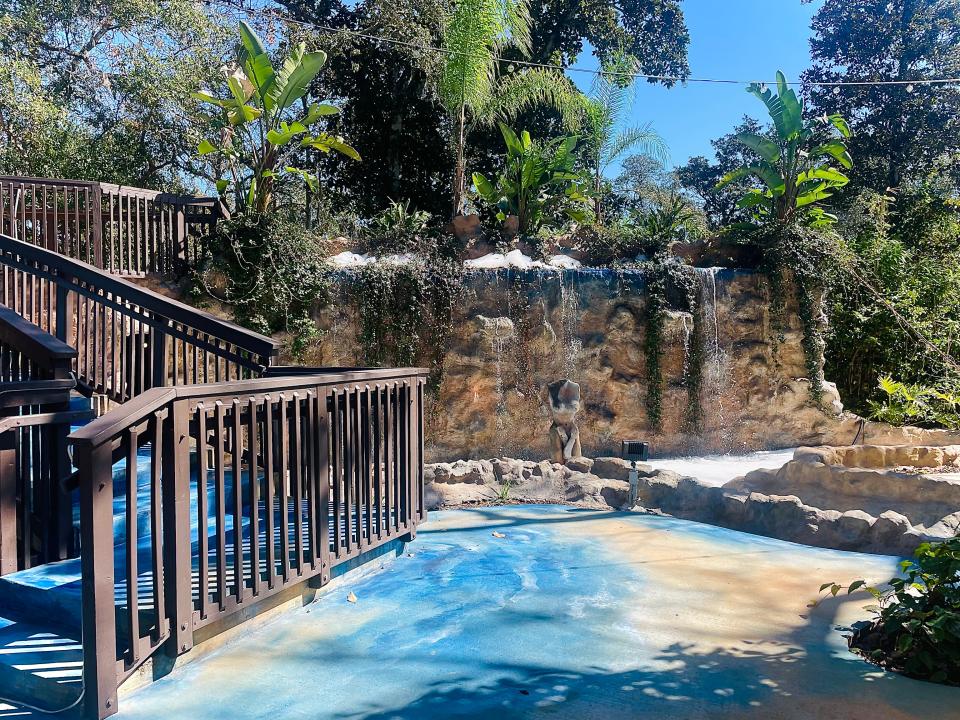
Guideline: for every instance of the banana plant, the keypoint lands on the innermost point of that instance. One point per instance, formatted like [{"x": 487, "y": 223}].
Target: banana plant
[
  {"x": 539, "y": 183},
  {"x": 266, "y": 118},
  {"x": 797, "y": 169}
]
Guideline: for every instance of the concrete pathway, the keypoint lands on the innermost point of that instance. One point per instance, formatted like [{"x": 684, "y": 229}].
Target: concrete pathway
[{"x": 572, "y": 614}]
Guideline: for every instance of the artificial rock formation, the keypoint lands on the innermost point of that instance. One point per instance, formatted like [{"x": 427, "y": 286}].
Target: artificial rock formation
[
  {"x": 776, "y": 503},
  {"x": 518, "y": 330}
]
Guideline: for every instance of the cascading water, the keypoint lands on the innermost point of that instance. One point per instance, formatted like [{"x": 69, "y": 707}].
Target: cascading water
[
  {"x": 570, "y": 323},
  {"x": 714, "y": 359}
]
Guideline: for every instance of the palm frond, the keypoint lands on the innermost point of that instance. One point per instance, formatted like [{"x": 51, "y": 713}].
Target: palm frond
[
  {"x": 539, "y": 87},
  {"x": 644, "y": 139},
  {"x": 475, "y": 32}
]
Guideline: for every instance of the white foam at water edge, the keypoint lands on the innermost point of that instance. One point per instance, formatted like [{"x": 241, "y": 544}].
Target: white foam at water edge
[
  {"x": 517, "y": 259},
  {"x": 350, "y": 259},
  {"x": 716, "y": 470}
]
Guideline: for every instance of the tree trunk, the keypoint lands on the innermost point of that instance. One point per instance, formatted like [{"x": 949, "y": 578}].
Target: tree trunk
[{"x": 459, "y": 169}]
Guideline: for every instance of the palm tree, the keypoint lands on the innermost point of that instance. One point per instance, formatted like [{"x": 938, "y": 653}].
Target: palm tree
[
  {"x": 610, "y": 98},
  {"x": 475, "y": 33}
]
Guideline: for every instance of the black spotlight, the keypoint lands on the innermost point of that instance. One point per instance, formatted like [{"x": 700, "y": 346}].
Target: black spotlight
[{"x": 634, "y": 450}]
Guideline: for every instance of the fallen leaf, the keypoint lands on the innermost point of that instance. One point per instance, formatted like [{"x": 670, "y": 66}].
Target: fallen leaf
[
  {"x": 351, "y": 598},
  {"x": 498, "y": 534}
]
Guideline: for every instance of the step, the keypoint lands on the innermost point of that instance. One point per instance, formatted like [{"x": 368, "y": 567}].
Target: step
[
  {"x": 38, "y": 667},
  {"x": 51, "y": 594}
]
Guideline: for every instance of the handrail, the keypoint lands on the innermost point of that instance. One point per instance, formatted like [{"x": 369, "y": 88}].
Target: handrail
[
  {"x": 42, "y": 348},
  {"x": 101, "y": 429},
  {"x": 64, "y": 267},
  {"x": 128, "y": 338},
  {"x": 305, "y": 472}
]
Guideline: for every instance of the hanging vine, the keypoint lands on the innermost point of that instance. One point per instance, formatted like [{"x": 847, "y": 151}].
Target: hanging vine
[
  {"x": 796, "y": 265},
  {"x": 405, "y": 312}
]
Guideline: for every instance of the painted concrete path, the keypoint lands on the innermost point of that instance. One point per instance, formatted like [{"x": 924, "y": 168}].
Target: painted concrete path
[{"x": 573, "y": 614}]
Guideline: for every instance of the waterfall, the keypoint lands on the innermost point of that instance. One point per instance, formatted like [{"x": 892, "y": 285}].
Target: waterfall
[
  {"x": 714, "y": 359},
  {"x": 570, "y": 324},
  {"x": 708, "y": 301}
]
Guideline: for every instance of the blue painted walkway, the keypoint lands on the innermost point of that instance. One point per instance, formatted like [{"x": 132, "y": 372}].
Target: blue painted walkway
[{"x": 572, "y": 614}]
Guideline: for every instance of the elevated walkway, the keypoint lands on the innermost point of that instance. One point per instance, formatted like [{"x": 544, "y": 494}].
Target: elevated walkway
[{"x": 215, "y": 487}]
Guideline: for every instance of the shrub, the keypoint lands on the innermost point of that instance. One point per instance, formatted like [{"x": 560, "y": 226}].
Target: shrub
[
  {"x": 268, "y": 268},
  {"x": 916, "y": 625},
  {"x": 916, "y": 404}
]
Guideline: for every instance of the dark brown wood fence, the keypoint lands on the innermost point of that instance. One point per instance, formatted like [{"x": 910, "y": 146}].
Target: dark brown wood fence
[
  {"x": 35, "y": 384},
  {"x": 280, "y": 479},
  {"x": 123, "y": 230},
  {"x": 128, "y": 339}
]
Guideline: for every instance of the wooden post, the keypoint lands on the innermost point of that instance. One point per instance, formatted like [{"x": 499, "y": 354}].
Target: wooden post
[
  {"x": 66, "y": 309},
  {"x": 8, "y": 503},
  {"x": 176, "y": 526},
  {"x": 95, "y": 213},
  {"x": 158, "y": 358},
  {"x": 322, "y": 481},
  {"x": 99, "y": 612}
]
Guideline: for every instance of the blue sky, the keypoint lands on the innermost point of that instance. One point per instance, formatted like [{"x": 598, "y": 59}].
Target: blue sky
[{"x": 742, "y": 39}]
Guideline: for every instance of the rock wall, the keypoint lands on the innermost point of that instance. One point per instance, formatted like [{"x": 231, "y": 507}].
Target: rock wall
[{"x": 518, "y": 330}]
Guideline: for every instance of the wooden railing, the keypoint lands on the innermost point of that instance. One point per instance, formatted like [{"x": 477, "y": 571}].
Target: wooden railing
[
  {"x": 123, "y": 230},
  {"x": 254, "y": 487},
  {"x": 35, "y": 384},
  {"x": 128, "y": 339}
]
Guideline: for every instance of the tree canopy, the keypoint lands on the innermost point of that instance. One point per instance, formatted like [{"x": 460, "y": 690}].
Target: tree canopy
[{"x": 900, "y": 132}]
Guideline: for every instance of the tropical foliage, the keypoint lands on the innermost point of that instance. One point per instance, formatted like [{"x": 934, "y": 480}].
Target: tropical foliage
[
  {"x": 605, "y": 140},
  {"x": 471, "y": 90},
  {"x": 261, "y": 125},
  {"x": 797, "y": 168},
  {"x": 539, "y": 184},
  {"x": 902, "y": 132},
  {"x": 915, "y": 404},
  {"x": 916, "y": 625}
]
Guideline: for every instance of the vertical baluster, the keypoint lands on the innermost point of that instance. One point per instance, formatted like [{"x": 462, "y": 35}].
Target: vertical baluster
[
  {"x": 336, "y": 435},
  {"x": 133, "y": 585},
  {"x": 156, "y": 524},
  {"x": 312, "y": 482},
  {"x": 390, "y": 504},
  {"x": 368, "y": 474},
  {"x": 284, "y": 487},
  {"x": 221, "y": 504},
  {"x": 296, "y": 437},
  {"x": 203, "y": 532},
  {"x": 348, "y": 463},
  {"x": 377, "y": 424},
  {"x": 236, "y": 454},
  {"x": 252, "y": 465},
  {"x": 269, "y": 486}
]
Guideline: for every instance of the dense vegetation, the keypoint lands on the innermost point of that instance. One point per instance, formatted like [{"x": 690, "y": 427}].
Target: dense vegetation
[
  {"x": 916, "y": 625},
  {"x": 845, "y": 195}
]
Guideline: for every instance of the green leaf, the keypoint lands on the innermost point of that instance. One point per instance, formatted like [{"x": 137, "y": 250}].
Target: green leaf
[
  {"x": 208, "y": 98},
  {"x": 318, "y": 110},
  {"x": 836, "y": 149},
  {"x": 840, "y": 124},
  {"x": 484, "y": 187},
  {"x": 854, "y": 586},
  {"x": 308, "y": 177},
  {"x": 206, "y": 147},
  {"x": 285, "y": 133},
  {"x": 764, "y": 147},
  {"x": 222, "y": 186},
  {"x": 294, "y": 79}
]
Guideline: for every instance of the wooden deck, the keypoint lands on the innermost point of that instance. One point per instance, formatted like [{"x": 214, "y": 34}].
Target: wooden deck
[{"x": 216, "y": 483}]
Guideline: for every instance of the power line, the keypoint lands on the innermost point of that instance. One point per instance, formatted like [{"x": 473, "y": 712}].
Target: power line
[{"x": 274, "y": 15}]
